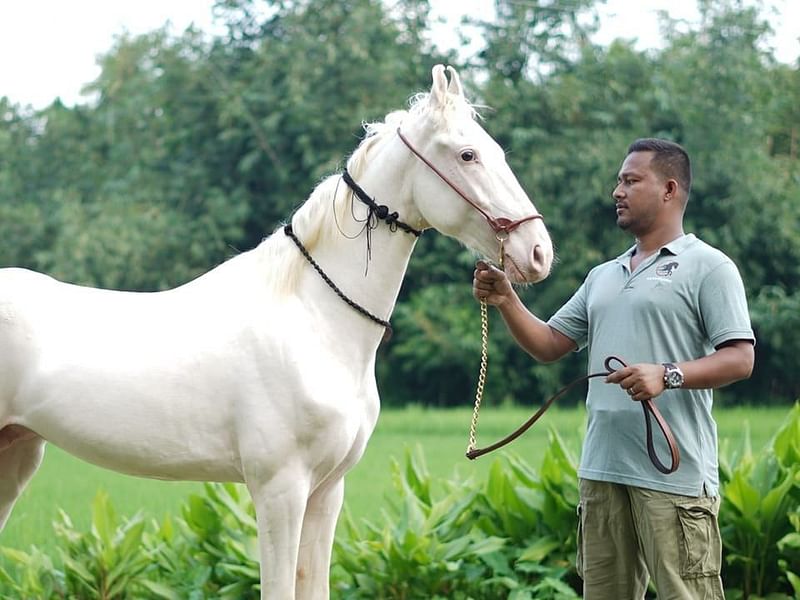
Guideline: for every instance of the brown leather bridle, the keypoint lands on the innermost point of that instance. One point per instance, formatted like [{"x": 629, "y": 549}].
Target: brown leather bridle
[{"x": 501, "y": 226}]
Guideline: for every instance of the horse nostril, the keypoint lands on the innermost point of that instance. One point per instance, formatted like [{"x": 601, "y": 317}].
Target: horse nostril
[{"x": 538, "y": 257}]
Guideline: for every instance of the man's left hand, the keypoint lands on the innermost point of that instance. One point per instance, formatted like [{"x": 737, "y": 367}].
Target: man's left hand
[{"x": 641, "y": 381}]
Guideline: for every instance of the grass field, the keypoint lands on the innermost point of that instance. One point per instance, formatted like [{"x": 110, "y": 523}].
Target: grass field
[{"x": 65, "y": 482}]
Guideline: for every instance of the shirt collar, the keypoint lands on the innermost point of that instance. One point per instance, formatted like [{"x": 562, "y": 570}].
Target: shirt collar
[{"x": 675, "y": 247}]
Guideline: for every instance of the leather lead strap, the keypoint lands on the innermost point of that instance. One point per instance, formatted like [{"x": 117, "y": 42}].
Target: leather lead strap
[{"x": 648, "y": 407}]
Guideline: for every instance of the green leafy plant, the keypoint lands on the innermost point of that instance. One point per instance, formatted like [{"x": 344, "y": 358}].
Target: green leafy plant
[
  {"x": 789, "y": 546},
  {"x": 760, "y": 491},
  {"x": 427, "y": 549},
  {"x": 509, "y": 536},
  {"x": 34, "y": 575},
  {"x": 109, "y": 562},
  {"x": 512, "y": 536},
  {"x": 209, "y": 553},
  {"x": 212, "y": 551}
]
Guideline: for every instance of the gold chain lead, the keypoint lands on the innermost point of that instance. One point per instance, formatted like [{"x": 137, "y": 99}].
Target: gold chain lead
[
  {"x": 481, "y": 375},
  {"x": 473, "y": 428}
]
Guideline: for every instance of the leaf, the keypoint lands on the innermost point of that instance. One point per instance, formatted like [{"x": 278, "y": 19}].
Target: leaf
[
  {"x": 104, "y": 519},
  {"x": 17, "y": 556},
  {"x": 132, "y": 539},
  {"x": 743, "y": 496},
  {"x": 487, "y": 545},
  {"x": 794, "y": 580},
  {"x": 777, "y": 500},
  {"x": 790, "y": 540},
  {"x": 787, "y": 440},
  {"x": 540, "y": 549},
  {"x": 161, "y": 590},
  {"x": 78, "y": 569}
]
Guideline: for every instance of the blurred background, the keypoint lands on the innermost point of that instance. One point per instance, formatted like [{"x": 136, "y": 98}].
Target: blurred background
[{"x": 201, "y": 126}]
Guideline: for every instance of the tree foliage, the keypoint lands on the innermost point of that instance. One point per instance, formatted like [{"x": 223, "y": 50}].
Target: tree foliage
[{"x": 196, "y": 147}]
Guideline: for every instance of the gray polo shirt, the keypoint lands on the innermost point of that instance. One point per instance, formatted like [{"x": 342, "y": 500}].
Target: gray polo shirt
[{"x": 678, "y": 305}]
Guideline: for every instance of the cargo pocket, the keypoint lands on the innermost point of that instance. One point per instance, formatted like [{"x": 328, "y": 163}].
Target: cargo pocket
[
  {"x": 701, "y": 546},
  {"x": 579, "y": 538}
]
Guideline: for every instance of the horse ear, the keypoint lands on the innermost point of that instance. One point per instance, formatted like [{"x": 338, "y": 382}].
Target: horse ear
[
  {"x": 438, "y": 97},
  {"x": 455, "y": 83}
]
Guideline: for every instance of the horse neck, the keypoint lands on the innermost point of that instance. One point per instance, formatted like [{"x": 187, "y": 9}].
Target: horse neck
[{"x": 373, "y": 281}]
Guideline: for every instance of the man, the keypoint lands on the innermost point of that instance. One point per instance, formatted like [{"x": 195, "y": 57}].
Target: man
[{"x": 674, "y": 309}]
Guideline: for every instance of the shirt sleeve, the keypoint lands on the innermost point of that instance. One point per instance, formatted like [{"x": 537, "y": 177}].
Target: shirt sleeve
[
  {"x": 572, "y": 319},
  {"x": 723, "y": 306}
]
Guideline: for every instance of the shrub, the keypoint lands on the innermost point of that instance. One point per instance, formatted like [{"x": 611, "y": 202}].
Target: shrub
[
  {"x": 108, "y": 562},
  {"x": 758, "y": 515},
  {"x": 511, "y": 536}
]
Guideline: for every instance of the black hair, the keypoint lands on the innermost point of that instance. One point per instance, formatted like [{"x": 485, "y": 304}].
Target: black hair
[{"x": 669, "y": 160}]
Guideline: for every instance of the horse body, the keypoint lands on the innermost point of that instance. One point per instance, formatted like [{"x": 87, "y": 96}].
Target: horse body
[
  {"x": 166, "y": 384},
  {"x": 255, "y": 372}
]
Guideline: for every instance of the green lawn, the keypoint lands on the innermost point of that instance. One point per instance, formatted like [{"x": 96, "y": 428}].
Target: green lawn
[{"x": 65, "y": 482}]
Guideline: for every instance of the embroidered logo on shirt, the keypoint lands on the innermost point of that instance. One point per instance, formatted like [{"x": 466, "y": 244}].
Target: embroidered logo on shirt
[{"x": 666, "y": 269}]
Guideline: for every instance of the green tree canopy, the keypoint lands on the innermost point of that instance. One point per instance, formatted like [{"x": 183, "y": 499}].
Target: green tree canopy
[{"x": 197, "y": 147}]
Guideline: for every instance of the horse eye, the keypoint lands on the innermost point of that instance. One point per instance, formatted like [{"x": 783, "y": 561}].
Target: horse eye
[{"x": 467, "y": 155}]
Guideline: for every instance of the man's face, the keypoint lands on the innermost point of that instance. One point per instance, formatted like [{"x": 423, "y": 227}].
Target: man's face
[{"x": 638, "y": 193}]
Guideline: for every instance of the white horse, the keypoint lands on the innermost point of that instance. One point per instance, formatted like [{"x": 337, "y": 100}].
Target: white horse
[{"x": 257, "y": 372}]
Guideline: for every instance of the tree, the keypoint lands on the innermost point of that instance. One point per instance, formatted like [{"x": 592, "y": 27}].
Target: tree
[{"x": 196, "y": 148}]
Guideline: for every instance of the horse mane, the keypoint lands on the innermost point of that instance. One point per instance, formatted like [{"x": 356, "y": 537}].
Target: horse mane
[{"x": 315, "y": 221}]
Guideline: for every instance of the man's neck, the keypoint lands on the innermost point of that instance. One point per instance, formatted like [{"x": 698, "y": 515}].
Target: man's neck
[{"x": 652, "y": 241}]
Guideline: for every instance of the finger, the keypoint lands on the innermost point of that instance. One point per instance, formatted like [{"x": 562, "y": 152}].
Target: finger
[
  {"x": 485, "y": 286},
  {"x": 481, "y": 290},
  {"x": 618, "y": 375},
  {"x": 490, "y": 276},
  {"x": 484, "y": 267}
]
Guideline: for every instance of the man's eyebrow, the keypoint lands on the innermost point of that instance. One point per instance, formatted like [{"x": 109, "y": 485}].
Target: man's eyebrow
[{"x": 623, "y": 174}]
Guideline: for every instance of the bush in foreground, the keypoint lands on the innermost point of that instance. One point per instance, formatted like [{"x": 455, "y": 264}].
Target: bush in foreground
[{"x": 510, "y": 536}]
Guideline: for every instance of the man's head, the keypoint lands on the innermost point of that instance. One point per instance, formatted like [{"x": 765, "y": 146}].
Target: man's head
[
  {"x": 653, "y": 185},
  {"x": 668, "y": 159}
]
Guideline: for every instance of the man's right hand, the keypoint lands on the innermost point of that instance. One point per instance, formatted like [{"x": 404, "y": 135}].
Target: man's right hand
[
  {"x": 491, "y": 284},
  {"x": 535, "y": 336}
]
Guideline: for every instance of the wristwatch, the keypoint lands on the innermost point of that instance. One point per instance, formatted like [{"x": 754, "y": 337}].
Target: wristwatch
[{"x": 673, "y": 376}]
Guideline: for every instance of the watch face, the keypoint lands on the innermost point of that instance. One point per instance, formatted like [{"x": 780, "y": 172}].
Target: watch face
[{"x": 674, "y": 379}]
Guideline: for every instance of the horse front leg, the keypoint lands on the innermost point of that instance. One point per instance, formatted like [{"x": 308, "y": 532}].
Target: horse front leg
[
  {"x": 280, "y": 503},
  {"x": 316, "y": 541}
]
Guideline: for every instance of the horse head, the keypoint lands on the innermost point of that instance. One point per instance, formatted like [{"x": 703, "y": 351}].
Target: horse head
[{"x": 463, "y": 186}]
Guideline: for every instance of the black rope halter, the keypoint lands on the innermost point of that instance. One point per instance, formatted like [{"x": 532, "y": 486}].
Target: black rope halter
[
  {"x": 378, "y": 211},
  {"x": 385, "y": 324}
]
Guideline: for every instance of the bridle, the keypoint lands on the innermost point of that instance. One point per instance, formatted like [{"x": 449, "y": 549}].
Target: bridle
[{"x": 502, "y": 227}]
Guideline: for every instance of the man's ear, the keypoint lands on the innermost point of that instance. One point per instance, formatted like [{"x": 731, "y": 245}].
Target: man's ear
[{"x": 671, "y": 189}]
